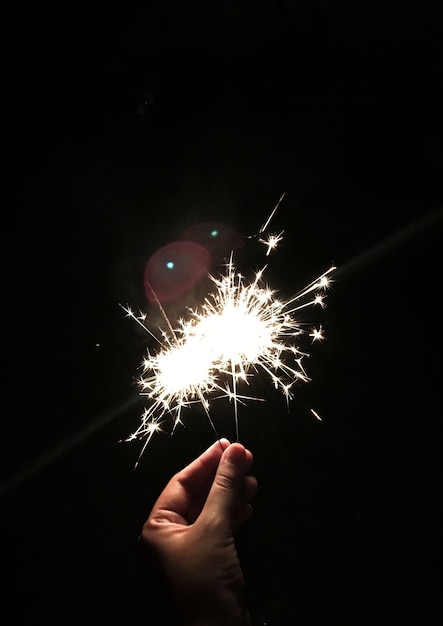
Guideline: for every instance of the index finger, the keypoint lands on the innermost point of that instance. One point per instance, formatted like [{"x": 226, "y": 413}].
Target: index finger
[{"x": 174, "y": 502}]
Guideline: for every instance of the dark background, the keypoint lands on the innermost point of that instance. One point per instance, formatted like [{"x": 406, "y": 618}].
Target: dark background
[{"x": 121, "y": 127}]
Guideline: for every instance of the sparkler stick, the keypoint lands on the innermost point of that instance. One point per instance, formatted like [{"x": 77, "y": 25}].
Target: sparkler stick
[{"x": 241, "y": 330}]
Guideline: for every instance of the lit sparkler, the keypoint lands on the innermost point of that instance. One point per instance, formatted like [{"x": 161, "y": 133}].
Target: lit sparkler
[{"x": 242, "y": 329}]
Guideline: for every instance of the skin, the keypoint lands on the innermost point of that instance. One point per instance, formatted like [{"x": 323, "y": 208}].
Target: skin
[{"x": 190, "y": 532}]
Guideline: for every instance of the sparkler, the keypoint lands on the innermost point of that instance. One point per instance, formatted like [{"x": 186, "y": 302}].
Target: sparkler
[{"x": 241, "y": 330}]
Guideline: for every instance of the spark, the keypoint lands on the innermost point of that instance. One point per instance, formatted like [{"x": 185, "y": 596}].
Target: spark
[
  {"x": 316, "y": 415},
  {"x": 271, "y": 215},
  {"x": 317, "y": 334},
  {"x": 272, "y": 242},
  {"x": 241, "y": 330}
]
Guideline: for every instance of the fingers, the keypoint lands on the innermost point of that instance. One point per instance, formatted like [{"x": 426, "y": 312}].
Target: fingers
[
  {"x": 249, "y": 487},
  {"x": 179, "y": 495},
  {"x": 203, "y": 466},
  {"x": 243, "y": 509},
  {"x": 214, "y": 485},
  {"x": 228, "y": 499}
]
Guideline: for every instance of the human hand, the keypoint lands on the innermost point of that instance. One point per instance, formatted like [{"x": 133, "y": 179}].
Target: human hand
[{"x": 190, "y": 535}]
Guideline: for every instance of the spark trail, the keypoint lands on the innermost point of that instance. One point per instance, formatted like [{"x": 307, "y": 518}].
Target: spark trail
[{"x": 241, "y": 330}]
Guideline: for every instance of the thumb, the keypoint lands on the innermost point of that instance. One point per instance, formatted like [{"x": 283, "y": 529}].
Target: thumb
[{"x": 227, "y": 492}]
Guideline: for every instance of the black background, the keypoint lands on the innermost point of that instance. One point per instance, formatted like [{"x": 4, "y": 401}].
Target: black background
[{"x": 123, "y": 126}]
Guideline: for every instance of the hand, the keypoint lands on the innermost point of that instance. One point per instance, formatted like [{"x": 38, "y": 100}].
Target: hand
[{"x": 190, "y": 534}]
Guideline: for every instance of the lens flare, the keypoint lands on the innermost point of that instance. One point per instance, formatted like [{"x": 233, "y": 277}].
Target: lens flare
[{"x": 241, "y": 330}]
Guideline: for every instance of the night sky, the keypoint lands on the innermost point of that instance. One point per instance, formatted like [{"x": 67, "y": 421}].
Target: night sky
[{"x": 123, "y": 128}]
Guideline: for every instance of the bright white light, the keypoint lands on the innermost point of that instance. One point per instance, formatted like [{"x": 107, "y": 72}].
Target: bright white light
[{"x": 241, "y": 330}]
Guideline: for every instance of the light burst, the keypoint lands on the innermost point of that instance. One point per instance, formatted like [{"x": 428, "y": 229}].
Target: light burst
[{"x": 242, "y": 329}]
